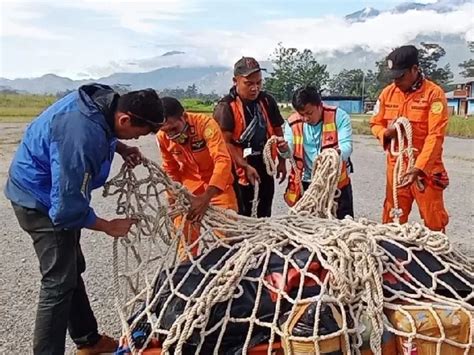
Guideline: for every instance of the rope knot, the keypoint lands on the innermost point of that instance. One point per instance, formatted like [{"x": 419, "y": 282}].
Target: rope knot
[{"x": 396, "y": 213}]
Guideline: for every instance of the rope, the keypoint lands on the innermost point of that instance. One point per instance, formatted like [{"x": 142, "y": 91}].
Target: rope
[
  {"x": 270, "y": 164},
  {"x": 404, "y": 162},
  {"x": 255, "y": 200},
  {"x": 350, "y": 251},
  {"x": 323, "y": 178},
  {"x": 271, "y": 169}
]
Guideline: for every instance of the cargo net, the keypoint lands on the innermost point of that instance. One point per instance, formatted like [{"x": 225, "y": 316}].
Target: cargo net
[{"x": 298, "y": 283}]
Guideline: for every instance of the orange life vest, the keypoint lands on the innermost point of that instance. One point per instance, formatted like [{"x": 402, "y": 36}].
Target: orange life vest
[
  {"x": 237, "y": 108},
  {"x": 328, "y": 140}
]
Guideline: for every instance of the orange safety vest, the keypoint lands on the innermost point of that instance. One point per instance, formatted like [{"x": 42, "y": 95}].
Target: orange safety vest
[
  {"x": 329, "y": 140},
  {"x": 237, "y": 108}
]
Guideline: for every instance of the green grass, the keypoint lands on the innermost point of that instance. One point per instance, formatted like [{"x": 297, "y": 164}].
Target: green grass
[
  {"x": 461, "y": 127},
  {"x": 361, "y": 127},
  {"x": 23, "y": 108},
  {"x": 457, "y": 126},
  {"x": 198, "y": 106},
  {"x": 26, "y": 101},
  {"x": 195, "y": 105}
]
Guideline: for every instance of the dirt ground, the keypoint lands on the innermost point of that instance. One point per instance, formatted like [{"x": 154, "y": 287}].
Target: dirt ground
[{"x": 19, "y": 276}]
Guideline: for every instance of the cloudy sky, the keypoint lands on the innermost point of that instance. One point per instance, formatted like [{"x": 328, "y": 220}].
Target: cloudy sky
[{"x": 90, "y": 38}]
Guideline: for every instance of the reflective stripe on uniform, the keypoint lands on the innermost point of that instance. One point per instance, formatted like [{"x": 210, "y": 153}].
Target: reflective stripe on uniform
[
  {"x": 291, "y": 196},
  {"x": 297, "y": 140},
  {"x": 329, "y": 127}
]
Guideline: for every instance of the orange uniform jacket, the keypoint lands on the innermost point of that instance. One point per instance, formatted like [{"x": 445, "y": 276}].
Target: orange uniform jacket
[
  {"x": 426, "y": 109},
  {"x": 202, "y": 161}
]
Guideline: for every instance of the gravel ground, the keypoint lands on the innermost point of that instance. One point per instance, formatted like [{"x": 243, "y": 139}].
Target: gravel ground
[{"x": 20, "y": 278}]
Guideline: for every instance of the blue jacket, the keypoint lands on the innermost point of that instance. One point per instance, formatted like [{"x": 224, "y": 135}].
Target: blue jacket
[{"x": 65, "y": 153}]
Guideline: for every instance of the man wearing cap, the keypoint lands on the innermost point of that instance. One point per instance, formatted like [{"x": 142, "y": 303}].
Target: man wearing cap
[
  {"x": 194, "y": 154},
  {"x": 65, "y": 153},
  {"x": 423, "y": 102},
  {"x": 248, "y": 117}
]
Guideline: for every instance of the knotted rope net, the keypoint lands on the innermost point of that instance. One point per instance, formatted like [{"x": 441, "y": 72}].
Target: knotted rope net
[{"x": 252, "y": 279}]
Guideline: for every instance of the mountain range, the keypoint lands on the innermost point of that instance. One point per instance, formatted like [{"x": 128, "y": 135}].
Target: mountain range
[
  {"x": 440, "y": 6},
  {"x": 219, "y": 78}
]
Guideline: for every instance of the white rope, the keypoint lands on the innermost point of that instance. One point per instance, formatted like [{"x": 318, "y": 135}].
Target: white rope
[
  {"x": 271, "y": 165},
  {"x": 350, "y": 251},
  {"x": 324, "y": 177},
  {"x": 271, "y": 168},
  {"x": 255, "y": 201},
  {"x": 404, "y": 162}
]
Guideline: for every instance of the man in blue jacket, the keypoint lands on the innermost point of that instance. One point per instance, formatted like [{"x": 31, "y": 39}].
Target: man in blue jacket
[{"x": 65, "y": 153}]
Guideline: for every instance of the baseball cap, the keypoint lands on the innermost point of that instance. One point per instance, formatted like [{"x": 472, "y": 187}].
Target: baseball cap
[
  {"x": 402, "y": 59},
  {"x": 246, "y": 66}
]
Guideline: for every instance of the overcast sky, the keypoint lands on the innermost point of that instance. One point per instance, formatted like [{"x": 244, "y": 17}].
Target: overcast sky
[{"x": 83, "y": 39}]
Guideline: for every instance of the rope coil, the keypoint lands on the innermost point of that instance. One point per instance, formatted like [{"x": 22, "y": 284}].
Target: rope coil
[{"x": 405, "y": 160}]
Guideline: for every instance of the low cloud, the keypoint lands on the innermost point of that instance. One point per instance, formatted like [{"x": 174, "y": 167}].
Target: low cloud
[
  {"x": 325, "y": 35},
  {"x": 330, "y": 33},
  {"x": 151, "y": 26}
]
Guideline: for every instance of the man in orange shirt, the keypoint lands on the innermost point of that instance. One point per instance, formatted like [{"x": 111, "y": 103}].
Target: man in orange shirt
[
  {"x": 412, "y": 96},
  {"x": 195, "y": 154}
]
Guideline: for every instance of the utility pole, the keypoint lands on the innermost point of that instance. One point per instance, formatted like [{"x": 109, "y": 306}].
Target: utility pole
[{"x": 363, "y": 88}]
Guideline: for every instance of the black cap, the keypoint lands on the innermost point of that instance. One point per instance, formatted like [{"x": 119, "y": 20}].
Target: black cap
[
  {"x": 402, "y": 59},
  {"x": 246, "y": 66}
]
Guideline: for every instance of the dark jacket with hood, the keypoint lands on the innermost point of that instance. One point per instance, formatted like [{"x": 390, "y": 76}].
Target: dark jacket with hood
[{"x": 65, "y": 153}]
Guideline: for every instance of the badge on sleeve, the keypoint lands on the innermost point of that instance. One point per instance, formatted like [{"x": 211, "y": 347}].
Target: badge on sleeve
[
  {"x": 437, "y": 107},
  {"x": 208, "y": 133}
]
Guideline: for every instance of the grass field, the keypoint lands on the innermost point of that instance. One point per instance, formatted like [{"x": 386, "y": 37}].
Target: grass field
[
  {"x": 457, "y": 126},
  {"x": 23, "y": 108}
]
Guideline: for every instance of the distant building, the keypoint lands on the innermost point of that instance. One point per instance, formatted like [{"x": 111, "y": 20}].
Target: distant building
[
  {"x": 350, "y": 104},
  {"x": 461, "y": 100}
]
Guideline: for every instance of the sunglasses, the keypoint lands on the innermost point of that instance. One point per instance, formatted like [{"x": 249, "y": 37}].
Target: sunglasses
[{"x": 154, "y": 126}]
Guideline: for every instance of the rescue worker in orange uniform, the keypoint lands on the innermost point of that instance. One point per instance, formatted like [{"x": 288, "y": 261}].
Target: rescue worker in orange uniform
[
  {"x": 424, "y": 103},
  {"x": 314, "y": 127},
  {"x": 195, "y": 154},
  {"x": 248, "y": 117}
]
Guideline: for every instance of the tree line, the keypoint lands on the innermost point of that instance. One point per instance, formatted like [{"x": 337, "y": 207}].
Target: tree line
[
  {"x": 294, "y": 68},
  {"x": 191, "y": 92}
]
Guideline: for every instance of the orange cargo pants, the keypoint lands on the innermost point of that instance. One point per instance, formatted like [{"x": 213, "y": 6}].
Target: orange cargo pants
[
  {"x": 430, "y": 203},
  {"x": 192, "y": 231}
]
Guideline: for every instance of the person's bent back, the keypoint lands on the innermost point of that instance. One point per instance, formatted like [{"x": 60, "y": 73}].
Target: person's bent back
[{"x": 66, "y": 153}]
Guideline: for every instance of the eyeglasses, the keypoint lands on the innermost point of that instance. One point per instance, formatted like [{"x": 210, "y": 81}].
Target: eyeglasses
[{"x": 154, "y": 126}]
